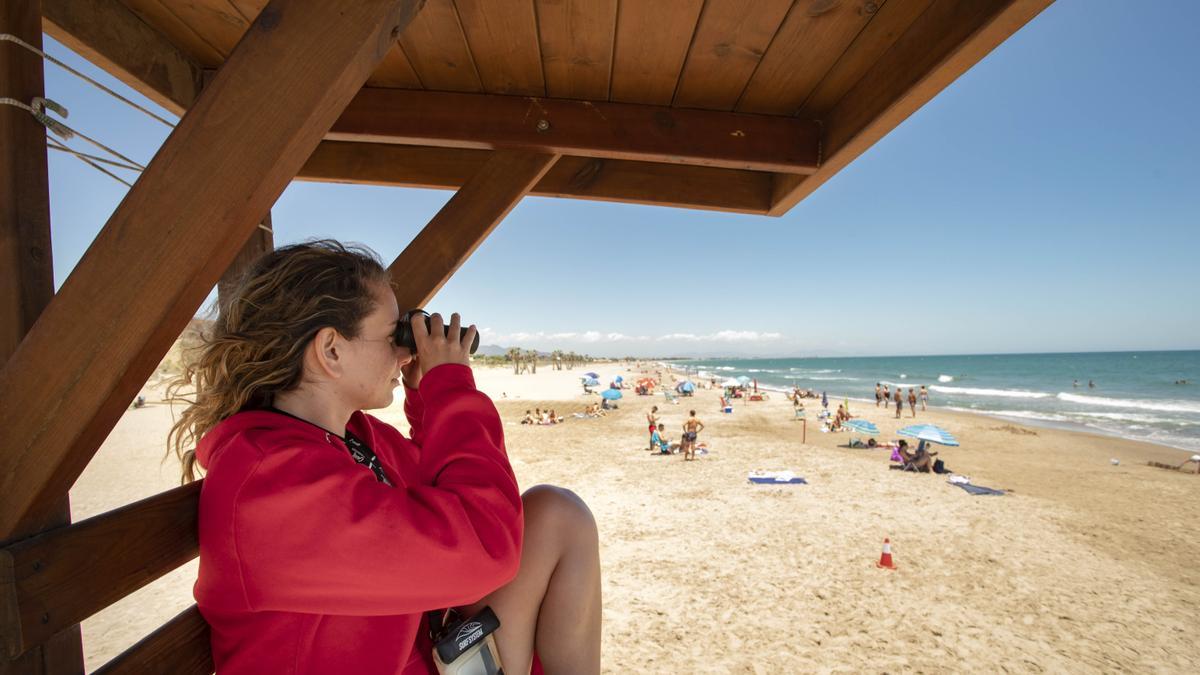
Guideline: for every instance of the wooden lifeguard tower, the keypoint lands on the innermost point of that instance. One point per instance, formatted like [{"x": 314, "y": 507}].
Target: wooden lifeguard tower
[{"x": 735, "y": 105}]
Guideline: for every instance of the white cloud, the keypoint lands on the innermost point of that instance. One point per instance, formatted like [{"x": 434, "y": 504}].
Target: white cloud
[{"x": 544, "y": 339}]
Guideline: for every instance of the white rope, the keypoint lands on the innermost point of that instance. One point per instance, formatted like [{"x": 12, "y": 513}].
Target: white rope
[
  {"x": 88, "y": 159},
  {"x": 9, "y": 37}
]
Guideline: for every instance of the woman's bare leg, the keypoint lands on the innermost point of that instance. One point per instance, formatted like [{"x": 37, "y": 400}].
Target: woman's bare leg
[{"x": 553, "y": 605}]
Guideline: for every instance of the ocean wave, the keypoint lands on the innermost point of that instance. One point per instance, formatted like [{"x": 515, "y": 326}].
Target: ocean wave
[
  {"x": 1004, "y": 393},
  {"x": 1020, "y": 414},
  {"x": 1133, "y": 417},
  {"x": 945, "y": 378},
  {"x": 1165, "y": 405},
  {"x": 724, "y": 368},
  {"x": 817, "y": 370},
  {"x": 831, "y": 379}
]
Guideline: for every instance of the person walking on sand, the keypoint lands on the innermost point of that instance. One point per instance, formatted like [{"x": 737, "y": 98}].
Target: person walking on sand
[
  {"x": 824, "y": 401},
  {"x": 878, "y": 394},
  {"x": 899, "y": 402},
  {"x": 924, "y": 398},
  {"x": 652, "y": 420},
  {"x": 912, "y": 401},
  {"x": 691, "y": 428},
  {"x": 887, "y": 396}
]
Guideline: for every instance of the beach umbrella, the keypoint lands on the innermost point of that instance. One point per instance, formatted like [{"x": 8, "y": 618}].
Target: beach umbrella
[
  {"x": 862, "y": 427},
  {"x": 686, "y": 387},
  {"x": 647, "y": 382},
  {"x": 929, "y": 432},
  {"x": 618, "y": 379},
  {"x": 590, "y": 382},
  {"x": 743, "y": 380},
  {"x": 592, "y": 375},
  {"x": 611, "y": 394},
  {"x": 730, "y": 382}
]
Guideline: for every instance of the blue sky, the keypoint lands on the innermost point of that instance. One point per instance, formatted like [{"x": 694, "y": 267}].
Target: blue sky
[{"x": 1048, "y": 200}]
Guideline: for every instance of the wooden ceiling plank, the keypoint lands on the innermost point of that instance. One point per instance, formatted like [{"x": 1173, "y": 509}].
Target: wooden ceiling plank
[
  {"x": 249, "y": 9},
  {"x": 217, "y": 21},
  {"x": 730, "y": 40},
  {"x": 503, "y": 38},
  {"x": 457, "y": 230},
  {"x": 582, "y": 128},
  {"x": 577, "y": 46},
  {"x": 609, "y": 180},
  {"x": 174, "y": 233},
  {"x": 814, "y": 35},
  {"x": 109, "y": 35},
  {"x": 652, "y": 43},
  {"x": 437, "y": 48},
  {"x": 889, "y": 22},
  {"x": 154, "y": 13},
  {"x": 395, "y": 71},
  {"x": 943, "y": 43}
]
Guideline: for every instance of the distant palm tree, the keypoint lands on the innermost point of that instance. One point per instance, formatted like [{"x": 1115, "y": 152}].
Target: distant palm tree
[
  {"x": 514, "y": 355},
  {"x": 531, "y": 355},
  {"x": 557, "y": 355}
]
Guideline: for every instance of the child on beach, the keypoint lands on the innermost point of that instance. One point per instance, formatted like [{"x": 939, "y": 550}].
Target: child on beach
[
  {"x": 691, "y": 428},
  {"x": 324, "y": 533}
]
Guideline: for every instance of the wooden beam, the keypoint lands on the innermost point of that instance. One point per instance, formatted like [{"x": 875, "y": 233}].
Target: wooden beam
[
  {"x": 26, "y": 277},
  {"x": 180, "y": 647},
  {"x": 261, "y": 241},
  {"x": 463, "y": 223},
  {"x": 604, "y": 130},
  {"x": 110, "y": 36},
  {"x": 695, "y": 187},
  {"x": 175, "y": 232},
  {"x": 63, "y": 576},
  {"x": 941, "y": 44},
  {"x": 27, "y": 284}
]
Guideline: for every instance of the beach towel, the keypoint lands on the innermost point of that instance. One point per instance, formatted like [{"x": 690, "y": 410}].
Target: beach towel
[
  {"x": 776, "y": 478},
  {"x": 978, "y": 489}
]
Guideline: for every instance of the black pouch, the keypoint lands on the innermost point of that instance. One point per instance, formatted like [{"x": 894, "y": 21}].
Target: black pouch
[{"x": 465, "y": 647}]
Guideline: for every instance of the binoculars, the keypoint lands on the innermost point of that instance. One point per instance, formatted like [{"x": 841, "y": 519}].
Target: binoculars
[{"x": 404, "y": 334}]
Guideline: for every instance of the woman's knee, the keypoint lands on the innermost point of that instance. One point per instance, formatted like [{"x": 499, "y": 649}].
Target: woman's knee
[{"x": 560, "y": 510}]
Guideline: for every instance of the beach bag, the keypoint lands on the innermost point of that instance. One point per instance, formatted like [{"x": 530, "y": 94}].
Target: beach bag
[{"x": 939, "y": 466}]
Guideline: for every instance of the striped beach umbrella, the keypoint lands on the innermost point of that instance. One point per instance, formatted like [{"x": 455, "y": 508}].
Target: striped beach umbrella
[
  {"x": 929, "y": 432},
  {"x": 862, "y": 426}
]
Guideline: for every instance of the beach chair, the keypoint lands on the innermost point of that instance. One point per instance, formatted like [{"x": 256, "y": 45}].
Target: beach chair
[{"x": 670, "y": 396}]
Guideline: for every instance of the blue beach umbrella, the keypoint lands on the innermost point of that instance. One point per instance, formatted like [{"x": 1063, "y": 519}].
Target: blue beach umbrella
[
  {"x": 590, "y": 382},
  {"x": 618, "y": 379},
  {"x": 687, "y": 387},
  {"x": 862, "y": 427},
  {"x": 592, "y": 375},
  {"x": 929, "y": 432},
  {"x": 611, "y": 394}
]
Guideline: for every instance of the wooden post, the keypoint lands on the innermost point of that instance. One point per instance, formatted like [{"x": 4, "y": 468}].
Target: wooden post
[
  {"x": 463, "y": 223},
  {"x": 26, "y": 271},
  {"x": 176, "y": 232}
]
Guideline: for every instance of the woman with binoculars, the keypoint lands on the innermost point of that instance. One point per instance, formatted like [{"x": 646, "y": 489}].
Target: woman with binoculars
[{"x": 325, "y": 534}]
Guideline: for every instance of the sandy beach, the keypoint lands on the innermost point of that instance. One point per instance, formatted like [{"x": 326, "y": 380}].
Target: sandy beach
[{"x": 1083, "y": 566}]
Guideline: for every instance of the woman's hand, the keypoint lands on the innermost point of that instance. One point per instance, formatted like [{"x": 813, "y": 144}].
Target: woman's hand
[
  {"x": 435, "y": 346},
  {"x": 412, "y": 372}
]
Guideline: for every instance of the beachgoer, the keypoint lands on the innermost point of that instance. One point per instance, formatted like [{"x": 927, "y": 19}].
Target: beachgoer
[
  {"x": 878, "y": 394},
  {"x": 1075, "y": 384},
  {"x": 652, "y": 421},
  {"x": 899, "y": 402},
  {"x": 887, "y": 397},
  {"x": 691, "y": 428},
  {"x": 346, "y": 530},
  {"x": 528, "y": 417},
  {"x": 924, "y": 397},
  {"x": 912, "y": 401},
  {"x": 824, "y": 401},
  {"x": 659, "y": 440},
  {"x": 1091, "y": 385}
]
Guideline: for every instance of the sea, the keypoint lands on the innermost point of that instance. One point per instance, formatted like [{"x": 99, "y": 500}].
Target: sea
[{"x": 1144, "y": 396}]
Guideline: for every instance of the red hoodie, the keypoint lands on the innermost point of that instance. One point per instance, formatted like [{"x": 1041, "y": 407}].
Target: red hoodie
[{"x": 309, "y": 564}]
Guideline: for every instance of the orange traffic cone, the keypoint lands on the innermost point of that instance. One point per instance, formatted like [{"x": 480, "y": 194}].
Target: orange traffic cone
[{"x": 885, "y": 560}]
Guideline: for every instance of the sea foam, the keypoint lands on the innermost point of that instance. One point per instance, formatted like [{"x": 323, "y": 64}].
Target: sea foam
[
  {"x": 945, "y": 378},
  {"x": 1140, "y": 404},
  {"x": 1005, "y": 393}
]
